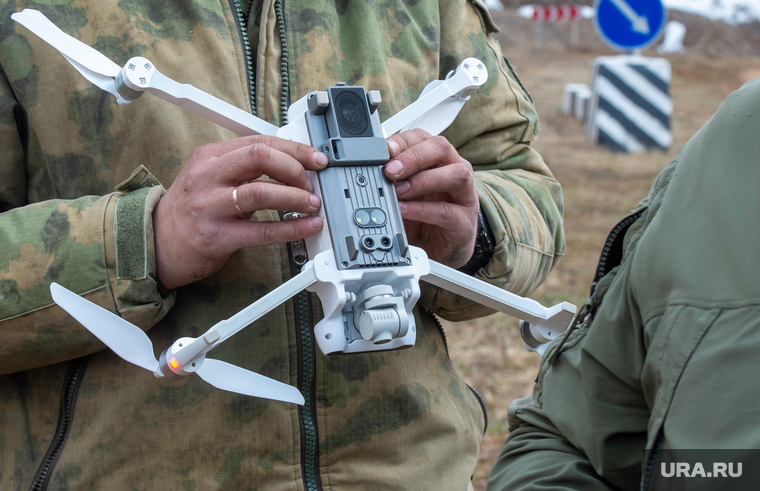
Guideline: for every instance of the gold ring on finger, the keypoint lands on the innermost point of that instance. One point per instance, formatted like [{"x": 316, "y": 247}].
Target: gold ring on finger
[{"x": 235, "y": 202}]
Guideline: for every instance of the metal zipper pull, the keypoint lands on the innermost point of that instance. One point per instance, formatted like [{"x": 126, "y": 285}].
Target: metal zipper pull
[{"x": 297, "y": 247}]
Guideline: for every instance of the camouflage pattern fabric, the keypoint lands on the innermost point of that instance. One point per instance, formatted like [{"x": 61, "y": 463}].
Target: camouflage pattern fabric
[
  {"x": 75, "y": 210},
  {"x": 666, "y": 357}
]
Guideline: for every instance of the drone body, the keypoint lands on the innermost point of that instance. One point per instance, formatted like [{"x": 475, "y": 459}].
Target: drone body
[{"x": 360, "y": 264}]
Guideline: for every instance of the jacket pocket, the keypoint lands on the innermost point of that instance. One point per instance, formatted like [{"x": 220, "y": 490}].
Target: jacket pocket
[{"x": 672, "y": 338}]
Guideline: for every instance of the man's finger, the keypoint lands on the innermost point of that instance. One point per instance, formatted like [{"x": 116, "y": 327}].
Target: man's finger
[
  {"x": 299, "y": 151},
  {"x": 239, "y": 159},
  {"x": 253, "y": 234},
  {"x": 433, "y": 151},
  {"x": 456, "y": 180},
  {"x": 272, "y": 195},
  {"x": 309, "y": 185},
  {"x": 401, "y": 141},
  {"x": 447, "y": 216},
  {"x": 311, "y": 158},
  {"x": 251, "y": 162}
]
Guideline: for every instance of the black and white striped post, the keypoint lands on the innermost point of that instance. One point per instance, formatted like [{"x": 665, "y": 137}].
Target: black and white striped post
[{"x": 630, "y": 108}]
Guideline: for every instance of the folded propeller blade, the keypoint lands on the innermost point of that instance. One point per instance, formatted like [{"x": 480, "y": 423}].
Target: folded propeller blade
[
  {"x": 125, "y": 339},
  {"x": 133, "y": 345},
  {"x": 72, "y": 48},
  {"x": 226, "y": 376},
  {"x": 91, "y": 63},
  {"x": 104, "y": 82}
]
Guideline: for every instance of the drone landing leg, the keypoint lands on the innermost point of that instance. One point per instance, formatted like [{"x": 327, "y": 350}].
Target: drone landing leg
[{"x": 544, "y": 324}]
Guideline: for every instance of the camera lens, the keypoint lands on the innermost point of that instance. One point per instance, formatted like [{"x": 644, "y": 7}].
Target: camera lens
[
  {"x": 351, "y": 113},
  {"x": 377, "y": 217},
  {"x": 362, "y": 218}
]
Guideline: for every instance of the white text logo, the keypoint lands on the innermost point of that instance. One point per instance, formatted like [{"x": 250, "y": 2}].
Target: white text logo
[{"x": 719, "y": 469}]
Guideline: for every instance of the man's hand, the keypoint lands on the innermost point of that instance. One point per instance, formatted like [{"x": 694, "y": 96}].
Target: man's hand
[
  {"x": 196, "y": 224},
  {"x": 437, "y": 195}
]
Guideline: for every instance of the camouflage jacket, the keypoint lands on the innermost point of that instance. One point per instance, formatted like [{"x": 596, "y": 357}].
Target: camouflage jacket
[{"x": 385, "y": 420}]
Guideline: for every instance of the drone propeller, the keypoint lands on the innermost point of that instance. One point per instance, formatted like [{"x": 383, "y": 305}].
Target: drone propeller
[
  {"x": 133, "y": 345},
  {"x": 232, "y": 378},
  {"x": 91, "y": 63},
  {"x": 139, "y": 75},
  {"x": 125, "y": 339}
]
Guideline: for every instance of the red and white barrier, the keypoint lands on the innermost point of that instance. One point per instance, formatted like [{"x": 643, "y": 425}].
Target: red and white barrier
[{"x": 554, "y": 13}]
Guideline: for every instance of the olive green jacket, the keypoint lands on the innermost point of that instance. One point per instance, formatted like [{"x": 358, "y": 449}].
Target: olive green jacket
[
  {"x": 74, "y": 213},
  {"x": 665, "y": 355}
]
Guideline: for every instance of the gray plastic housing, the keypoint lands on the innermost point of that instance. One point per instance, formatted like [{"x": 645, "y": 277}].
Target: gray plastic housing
[
  {"x": 360, "y": 203},
  {"x": 355, "y": 244},
  {"x": 345, "y": 128}
]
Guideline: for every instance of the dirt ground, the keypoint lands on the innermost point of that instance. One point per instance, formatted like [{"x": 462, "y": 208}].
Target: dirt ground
[{"x": 599, "y": 186}]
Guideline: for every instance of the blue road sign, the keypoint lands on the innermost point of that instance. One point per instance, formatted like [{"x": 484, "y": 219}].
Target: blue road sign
[{"x": 629, "y": 25}]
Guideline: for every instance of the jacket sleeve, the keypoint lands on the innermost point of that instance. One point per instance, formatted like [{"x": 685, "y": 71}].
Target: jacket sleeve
[
  {"x": 585, "y": 425},
  {"x": 518, "y": 193},
  {"x": 75, "y": 243},
  {"x": 540, "y": 457},
  {"x": 550, "y": 435}
]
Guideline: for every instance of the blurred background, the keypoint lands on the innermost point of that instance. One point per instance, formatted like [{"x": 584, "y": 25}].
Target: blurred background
[{"x": 721, "y": 51}]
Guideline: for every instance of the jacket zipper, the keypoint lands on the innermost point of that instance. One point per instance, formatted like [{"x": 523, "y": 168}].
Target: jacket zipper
[
  {"x": 609, "y": 259},
  {"x": 612, "y": 252},
  {"x": 649, "y": 469},
  {"x": 243, "y": 31},
  {"x": 307, "y": 420},
  {"x": 307, "y": 416},
  {"x": 302, "y": 302},
  {"x": 71, "y": 383},
  {"x": 472, "y": 389}
]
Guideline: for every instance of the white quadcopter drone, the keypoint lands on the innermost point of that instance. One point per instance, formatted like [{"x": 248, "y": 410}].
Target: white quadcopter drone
[{"x": 360, "y": 265}]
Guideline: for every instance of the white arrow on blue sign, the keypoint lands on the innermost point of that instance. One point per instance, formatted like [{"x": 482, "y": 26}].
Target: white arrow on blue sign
[{"x": 629, "y": 25}]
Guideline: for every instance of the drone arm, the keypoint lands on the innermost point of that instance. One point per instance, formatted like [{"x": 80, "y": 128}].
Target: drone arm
[
  {"x": 545, "y": 323},
  {"x": 226, "y": 328},
  {"x": 139, "y": 75},
  {"x": 271, "y": 300},
  {"x": 469, "y": 75}
]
